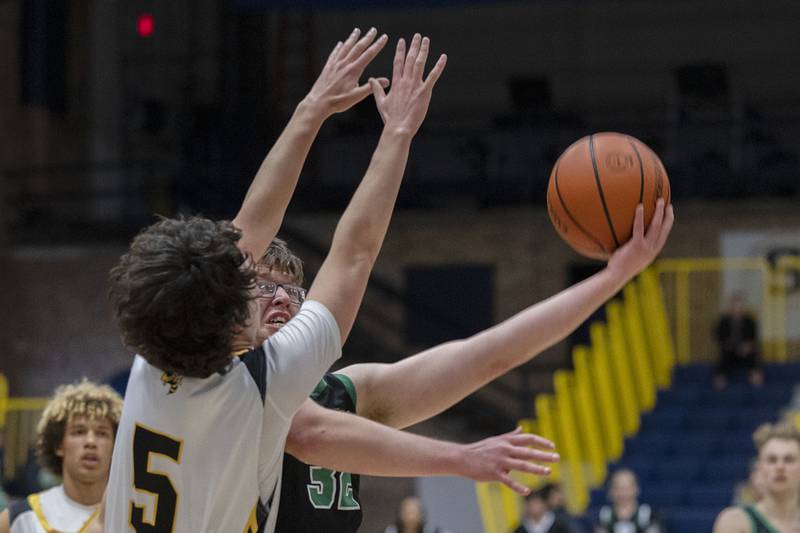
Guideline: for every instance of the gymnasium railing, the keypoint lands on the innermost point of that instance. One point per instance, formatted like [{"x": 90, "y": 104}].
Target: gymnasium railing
[{"x": 631, "y": 356}]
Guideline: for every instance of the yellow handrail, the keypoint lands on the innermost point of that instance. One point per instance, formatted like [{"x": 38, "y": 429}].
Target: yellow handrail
[
  {"x": 570, "y": 443},
  {"x": 586, "y": 411},
  {"x": 603, "y": 385}
]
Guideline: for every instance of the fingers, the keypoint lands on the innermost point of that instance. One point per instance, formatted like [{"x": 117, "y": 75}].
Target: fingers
[
  {"x": 334, "y": 54},
  {"x": 399, "y": 59},
  {"x": 371, "y": 52},
  {"x": 517, "y": 465},
  {"x": 361, "y": 45},
  {"x": 422, "y": 57},
  {"x": 532, "y": 454},
  {"x": 517, "y": 487},
  {"x": 411, "y": 57},
  {"x": 529, "y": 439},
  {"x": 377, "y": 88},
  {"x": 349, "y": 43},
  {"x": 638, "y": 223},
  {"x": 435, "y": 72},
  {"x": 669, "y": 220},
  {"x": 654, "y": 230}
]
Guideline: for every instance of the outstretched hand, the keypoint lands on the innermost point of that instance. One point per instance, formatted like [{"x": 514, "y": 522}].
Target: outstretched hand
[
  {"x": 404, "y": 108},
  {"x": 493, "y": 459},
  {"x": 643, "y": 247},
  {"x": 337, "y": 87}
]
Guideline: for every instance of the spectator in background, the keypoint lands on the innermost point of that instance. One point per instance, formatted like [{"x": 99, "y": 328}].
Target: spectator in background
[
  {"x": 626, "y": 514},
  {"x": 750, "y": 491},
  {"x": 411, "y": 518},
  {"x": 539, "y": 518},
  {"x": 737, "y": 334},
  {"x": 556, "y": 502},
  {"x": 74, "y": 440}
]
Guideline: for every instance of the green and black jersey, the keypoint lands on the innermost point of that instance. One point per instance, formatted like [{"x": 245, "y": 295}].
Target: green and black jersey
[
  {"x": 313, "y": 498},
  {"x": 758, "y": 523}
]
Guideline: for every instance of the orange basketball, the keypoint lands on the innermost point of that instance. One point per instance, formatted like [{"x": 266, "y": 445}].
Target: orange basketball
[{"x": 595, "y": 187}]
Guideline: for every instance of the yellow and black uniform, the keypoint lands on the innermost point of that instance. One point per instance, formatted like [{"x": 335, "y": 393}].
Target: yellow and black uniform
[
  {"x": 205, "y": 454},
  {"x": 50, "y": 511},
  {"x": 758, "y": 523},
  {"x": 317, "y": 499}
]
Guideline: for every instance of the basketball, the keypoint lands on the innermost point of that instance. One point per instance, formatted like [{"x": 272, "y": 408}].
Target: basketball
[{"x": 595, "y": 186}]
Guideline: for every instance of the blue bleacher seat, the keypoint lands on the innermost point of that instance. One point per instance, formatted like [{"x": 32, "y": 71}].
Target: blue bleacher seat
[
  {"x": 663, "y": 495},
  {"x": 709, "y": 419},
  {"x": 665, "y": 419},
  {"x": 696, "y": 373},
  {"x": 735, "y": 395},
  {"x": 676, "y": 470},
  {"x": 694, "y": 445},
  {"x": 650, "y": 444},
  {"x": 782, "y": 374},
  {"x": 725, "y": 469},
  {"x": 690, "y": 520},
  {"x": 716, "y": 495},
  {"x": 749, "y": 419},
  {"x": 737, "y": 443}
]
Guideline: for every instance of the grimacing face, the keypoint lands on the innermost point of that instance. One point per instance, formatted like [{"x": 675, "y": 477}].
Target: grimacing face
[
  {"x": 278, "y": 310},
  {"x": 86, "y": 449},
  {"x": 779, "y": 462}
]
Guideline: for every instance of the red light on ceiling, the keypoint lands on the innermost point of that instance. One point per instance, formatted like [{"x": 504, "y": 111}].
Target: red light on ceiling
[{"x": 145, "y": 25}]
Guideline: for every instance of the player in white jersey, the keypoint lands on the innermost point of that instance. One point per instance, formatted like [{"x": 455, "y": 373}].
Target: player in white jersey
[
  {"x": 75, "y": 437},
  {"x": 200, "y": 442}
]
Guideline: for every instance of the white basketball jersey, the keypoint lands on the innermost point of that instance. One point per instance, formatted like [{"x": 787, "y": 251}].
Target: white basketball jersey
[
  {"x": 50, "y": 511},
  {"x": 205, "y": 455}
]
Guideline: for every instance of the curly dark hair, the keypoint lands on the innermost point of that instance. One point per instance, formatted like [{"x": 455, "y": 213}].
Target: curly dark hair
[{"x": 180, "y": 293}]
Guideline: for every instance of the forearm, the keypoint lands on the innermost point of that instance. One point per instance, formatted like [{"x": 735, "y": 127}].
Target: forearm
[
  {"x": 342, "y": 278},
  {"x": 436, "y": 379},
  {"x": 345, "y": 442},
  {"x": 266, "y": 201}
]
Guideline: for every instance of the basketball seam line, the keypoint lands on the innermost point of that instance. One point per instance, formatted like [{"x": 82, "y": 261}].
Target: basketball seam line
[
  {"x": 641, "y": 171},
  {"x": 600, "y": 190},
  {"x": 572, "y": 218}
]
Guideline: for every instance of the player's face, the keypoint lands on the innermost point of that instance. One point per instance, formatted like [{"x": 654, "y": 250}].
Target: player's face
[
  {"x": 276, "y": 310},
  {"x": 536, "y": 508},
  {"x": 624, "y": 488},
  {"x": 86, "y": 449},
  {"x": 779, "y": 462}
]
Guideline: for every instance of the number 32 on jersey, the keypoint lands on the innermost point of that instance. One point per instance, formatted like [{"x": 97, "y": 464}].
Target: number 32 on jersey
[{"x": 322, "y": 489}]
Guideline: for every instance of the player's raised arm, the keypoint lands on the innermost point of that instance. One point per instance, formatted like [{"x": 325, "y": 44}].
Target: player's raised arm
[
  {"x": 335, "y": 90},
  {"x": 349, "y": 443},
  {"x": 343, "y": 276},
  {"x": 435, "y": 379}
]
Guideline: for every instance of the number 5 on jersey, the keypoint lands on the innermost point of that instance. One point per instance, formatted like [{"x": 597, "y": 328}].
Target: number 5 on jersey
[{"x": 147, "y": 442}]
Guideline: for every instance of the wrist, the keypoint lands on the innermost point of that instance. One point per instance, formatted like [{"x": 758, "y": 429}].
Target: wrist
[
  {"x": 399, "y": 133},
  {"x": 312, "y": 110}
]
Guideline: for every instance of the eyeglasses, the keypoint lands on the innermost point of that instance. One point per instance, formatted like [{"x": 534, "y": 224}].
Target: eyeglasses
[{"x": 267, "y": 289}]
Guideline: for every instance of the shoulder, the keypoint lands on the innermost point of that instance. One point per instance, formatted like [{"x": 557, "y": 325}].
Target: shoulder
[
  {"x": 14, "y": 511},
  {"x": 732, "y": 520}
]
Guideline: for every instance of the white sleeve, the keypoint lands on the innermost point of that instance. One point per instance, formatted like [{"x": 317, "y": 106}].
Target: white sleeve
[{"x": 298, "y": 356}]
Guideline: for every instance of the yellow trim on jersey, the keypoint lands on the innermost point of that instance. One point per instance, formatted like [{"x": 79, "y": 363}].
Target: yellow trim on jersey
[
  {"x": 237, "y": 353},
  {"x": 252, "y": 521},
  {"x": 35, "y": 502}
]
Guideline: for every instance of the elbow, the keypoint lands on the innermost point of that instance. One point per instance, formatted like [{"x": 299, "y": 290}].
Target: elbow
[{"x": 307, "y": 436}]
